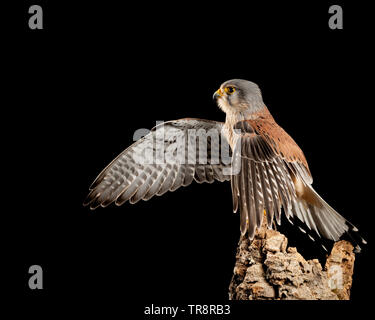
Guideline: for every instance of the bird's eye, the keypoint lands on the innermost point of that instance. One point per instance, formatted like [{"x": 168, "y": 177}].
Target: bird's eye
[{"x": 230, "y": 90}]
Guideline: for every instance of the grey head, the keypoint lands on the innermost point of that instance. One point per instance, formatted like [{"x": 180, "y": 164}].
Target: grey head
[{"x": 238, "y": 96}]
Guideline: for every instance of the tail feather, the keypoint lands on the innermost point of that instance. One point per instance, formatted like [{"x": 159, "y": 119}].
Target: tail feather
[{"x": 320, "y": 217}]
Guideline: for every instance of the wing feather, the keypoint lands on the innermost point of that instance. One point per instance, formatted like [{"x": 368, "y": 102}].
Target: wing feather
[
  {"x": 132, "y": 177},
  {"x": 244, "y": 200},
  {"x": 267, "y": 193}
]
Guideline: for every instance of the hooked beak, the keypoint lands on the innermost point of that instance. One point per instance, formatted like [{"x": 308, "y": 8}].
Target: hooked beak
[{"x": 218, "y": 94}]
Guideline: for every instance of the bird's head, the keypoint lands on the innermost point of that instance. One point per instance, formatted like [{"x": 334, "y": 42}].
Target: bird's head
[{"x": 238, "y": 96}]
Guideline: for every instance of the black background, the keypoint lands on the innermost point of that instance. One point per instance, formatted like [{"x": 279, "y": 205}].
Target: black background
[{"x": 78, "y": 89}]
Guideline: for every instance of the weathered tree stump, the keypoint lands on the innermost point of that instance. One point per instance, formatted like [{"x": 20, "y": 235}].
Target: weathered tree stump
[{"x": 267, "y": 269}]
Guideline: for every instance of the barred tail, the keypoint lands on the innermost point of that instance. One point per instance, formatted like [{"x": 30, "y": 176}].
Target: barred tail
[{"x": 320, "y": 217}]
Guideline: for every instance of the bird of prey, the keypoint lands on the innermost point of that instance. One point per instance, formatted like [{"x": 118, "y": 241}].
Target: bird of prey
[{"x": 271, "y": 173}]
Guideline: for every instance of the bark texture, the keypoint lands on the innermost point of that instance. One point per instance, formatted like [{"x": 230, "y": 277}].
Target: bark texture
[{"x": 267, "y": 269}]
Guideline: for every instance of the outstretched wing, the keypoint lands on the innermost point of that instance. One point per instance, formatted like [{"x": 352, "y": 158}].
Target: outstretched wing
[
  {"x": 269, "y": 166},
  {"x": 172, "y": 155}
]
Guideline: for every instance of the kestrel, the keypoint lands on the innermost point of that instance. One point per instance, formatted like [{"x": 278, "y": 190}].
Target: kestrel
[{"x": 271, "y": 172}]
